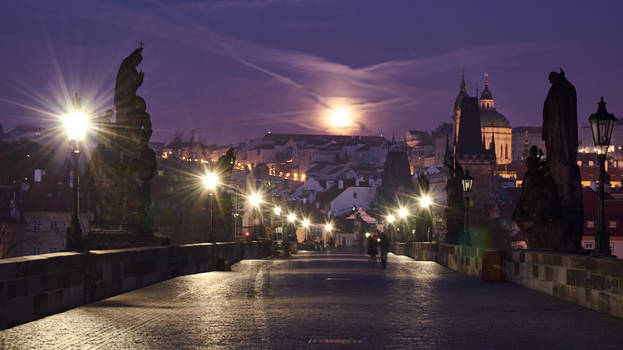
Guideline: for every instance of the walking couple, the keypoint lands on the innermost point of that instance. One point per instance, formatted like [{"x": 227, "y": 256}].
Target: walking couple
[{"x": 375, "y": 242}]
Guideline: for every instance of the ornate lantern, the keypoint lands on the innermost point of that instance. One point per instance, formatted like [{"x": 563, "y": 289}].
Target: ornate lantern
[
  {"x": 467, "y": 182},
  {"x": 602, "y": 124}
]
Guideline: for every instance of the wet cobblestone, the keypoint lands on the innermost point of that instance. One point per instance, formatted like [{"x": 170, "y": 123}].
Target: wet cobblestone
[{"x": 324, "y": 301}]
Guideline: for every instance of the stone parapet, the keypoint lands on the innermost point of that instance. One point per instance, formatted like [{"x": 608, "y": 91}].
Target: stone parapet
[
  {"x": 593, "y": 282},
  {"x": 35, "y": 286}
]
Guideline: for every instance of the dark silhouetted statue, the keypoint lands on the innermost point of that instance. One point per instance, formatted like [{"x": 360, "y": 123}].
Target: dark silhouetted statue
[
  {"x": 550, "y": 212},
  {"x": 123, "y": 165}
]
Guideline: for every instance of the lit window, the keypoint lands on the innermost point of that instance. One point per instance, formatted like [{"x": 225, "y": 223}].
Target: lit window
[
  {"x": 591, "y": 163},
  {"x": 53, "y": 226},
  {"x": 590, "y": 224},
  {"x": 36, "y": 226},
  {"x": 612, "y": 224},
  {"x": 588, "y": 245}
]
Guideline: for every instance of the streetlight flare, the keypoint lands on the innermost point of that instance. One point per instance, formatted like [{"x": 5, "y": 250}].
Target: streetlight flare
[
  {"x": 277, "y": 210},
  {"x": 210, "y": 181},
  {"x": 255, "y": 199},
  {"x": 76, "y": 124},
  {"x": 291, "y": 218},
  {"x": 390, "y": 218},
  {"x": 305, "y": 223},
  {"x": 426, "y": 201},
  {"x": 328, "y": 227},
  {"x": 403, "y": 212}
]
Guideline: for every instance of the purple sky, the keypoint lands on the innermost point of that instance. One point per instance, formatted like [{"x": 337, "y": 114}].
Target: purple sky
[{"x": 233, "y": 69}]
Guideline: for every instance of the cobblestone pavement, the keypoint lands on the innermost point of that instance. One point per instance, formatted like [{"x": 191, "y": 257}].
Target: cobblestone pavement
[{"x": 323, "y": 301}]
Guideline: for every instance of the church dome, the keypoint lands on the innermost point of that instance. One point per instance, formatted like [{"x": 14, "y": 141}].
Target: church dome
[
  {"x": 490, "y": 118},
  {"x": 486, "y": 94}
]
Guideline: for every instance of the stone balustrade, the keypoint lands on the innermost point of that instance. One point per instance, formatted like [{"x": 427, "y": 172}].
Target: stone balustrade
[
  {"x": 593, "y": 282},
  {"x": 35, "y": 286}
]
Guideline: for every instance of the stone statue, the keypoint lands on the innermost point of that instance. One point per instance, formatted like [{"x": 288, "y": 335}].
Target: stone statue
[
  {"x": 550, "y": 212},
  {"x": 123, "y": 165}
]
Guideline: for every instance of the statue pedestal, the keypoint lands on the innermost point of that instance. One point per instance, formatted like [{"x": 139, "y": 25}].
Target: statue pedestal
[{"x": 119, "y": 237}]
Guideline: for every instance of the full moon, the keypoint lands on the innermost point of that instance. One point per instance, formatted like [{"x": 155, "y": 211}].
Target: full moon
[{"x": 340, "y": 118}]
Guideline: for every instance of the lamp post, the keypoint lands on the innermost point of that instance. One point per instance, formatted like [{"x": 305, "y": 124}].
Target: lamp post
[
  {"x": 211, "y": 181},
  {"x": 602, "y": 124},
  {"x": 291, "y": 221},
  {"x": 305, "y": 223},
  {"x": 76, "y": 123},
  {"x": 403, "y": 213},
  {"x": 255, "y": 199},
  {"x": 426, "y": 202},
  {"x": 467, "y": 183},
  {"x": 329, "y": 228},
  {"x": 390, "y": 220},
  {"x": 277, "y": 213}
]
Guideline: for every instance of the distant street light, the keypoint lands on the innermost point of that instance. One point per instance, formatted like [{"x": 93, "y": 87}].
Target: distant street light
[
  {"x": 305, "y": 223},
  {"x": 277, "y": 210},
  {"x": 291, "y": 218},
  {"x": 425, "y": 201},
  {"x": 255, "y": 199},
  {"x": 602, "y": 124},
  {"x": 211, "y": 182},
  {"x": 467, "y": 183},
  {"x": 76, "y": 124},
  {"x": 403, "y": 213}
]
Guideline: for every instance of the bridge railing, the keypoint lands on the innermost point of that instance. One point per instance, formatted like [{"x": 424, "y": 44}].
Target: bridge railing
[
  {"x": 35, "y": 286},
  {"x": 592, "y": 282}
]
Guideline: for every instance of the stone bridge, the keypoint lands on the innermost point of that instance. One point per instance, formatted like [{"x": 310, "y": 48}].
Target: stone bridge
[{"x": 161, "y": 298}]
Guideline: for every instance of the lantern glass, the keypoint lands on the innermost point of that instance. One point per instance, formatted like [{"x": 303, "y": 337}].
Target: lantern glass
[
  {"x": 602, "y": 124},
  {"x": 467, "y": 182}
]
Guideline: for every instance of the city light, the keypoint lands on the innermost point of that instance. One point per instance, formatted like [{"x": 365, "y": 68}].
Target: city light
[
  {"x": 210, "y": 181},
  {"x": 291, "y": 218},
  {"x": 76, "y": 124},
  {"x": 390, "y": 218},
  {"x": 426, "y": 201},
  {"x": 305, "y": 223},
  {"x": 277, "y": 210},
  {"x": 328, "y": 227},
  {"x": 403, "y": 212},
  {"x": 255, "y": 199}
]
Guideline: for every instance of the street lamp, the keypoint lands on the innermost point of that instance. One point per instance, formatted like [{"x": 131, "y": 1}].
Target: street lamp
[
  {"x": 602, "y": 124},
  {"x": 211, "y": 182},
  {"x": 467, "y": 183},
  {"x": 390, "y": 220},
  {"x": 425, "y": 201},
  {"x": 305, "y": 223},
  {"x": 403, "y": 213},
  {"x": 76, "y": 124},
  {"x": 255, "y": 199},
  {"x": 277, "y": 213}
]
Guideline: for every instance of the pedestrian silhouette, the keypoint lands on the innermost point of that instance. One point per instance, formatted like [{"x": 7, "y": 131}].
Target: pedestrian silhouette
[
  {"x": 372, "y": 249},
  {"x": 384, "y": 243}
]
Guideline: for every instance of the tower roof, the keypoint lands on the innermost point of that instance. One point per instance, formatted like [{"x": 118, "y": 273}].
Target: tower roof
[
  {"x": 470, "y": 141},
  {"x": 486, "y": 93}
]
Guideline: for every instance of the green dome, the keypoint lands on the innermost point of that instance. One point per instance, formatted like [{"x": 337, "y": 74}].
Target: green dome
[{"x": 490, "y": 118}]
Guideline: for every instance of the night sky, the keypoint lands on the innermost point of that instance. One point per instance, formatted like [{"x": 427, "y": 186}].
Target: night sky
[{"x": 235, "y": 69}]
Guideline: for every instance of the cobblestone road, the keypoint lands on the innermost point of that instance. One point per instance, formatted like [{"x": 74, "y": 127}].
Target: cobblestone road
[{"x": 325, "y": 301}]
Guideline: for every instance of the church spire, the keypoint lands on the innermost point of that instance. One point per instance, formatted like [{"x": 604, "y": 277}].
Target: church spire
[{"x": 462, "y": 86}]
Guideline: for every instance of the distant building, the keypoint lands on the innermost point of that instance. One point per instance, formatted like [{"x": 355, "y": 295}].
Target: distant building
[
  {"x": 23, "y": 133},
  {"x": 525, "y": 137},
  {"x": 613, "y": 217},
  {"x": 495, "y": 128},
  {"x": 586, "y": 137}
]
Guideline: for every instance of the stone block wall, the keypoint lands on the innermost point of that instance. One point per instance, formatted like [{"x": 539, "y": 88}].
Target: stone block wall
[
  {"x": 35, "y": 286},
  {"x": 593, "y": 282}
]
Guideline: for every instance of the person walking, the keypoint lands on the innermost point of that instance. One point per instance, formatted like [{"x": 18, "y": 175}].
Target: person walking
[
  {"x": 384, "y": 249},
  {"x": 372, "y": 249}
]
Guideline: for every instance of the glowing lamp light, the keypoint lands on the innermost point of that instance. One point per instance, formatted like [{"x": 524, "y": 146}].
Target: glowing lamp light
[
  {"x": 426, "y": 201},
  {"x": 277, "y": 210},
  {"x": 403, "y": 212},
  {"x": 305, "y": 223},
  {"x": 390, "y": 218},
  {"x": 255, "y": 199},
  {"x": 328, "y": 227},
  {"x": 76, "y": 124},
  {"x": 291, "y": 217},
  {"x": 367, "y": 234},
  {"x": 210, "y": 181}
]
